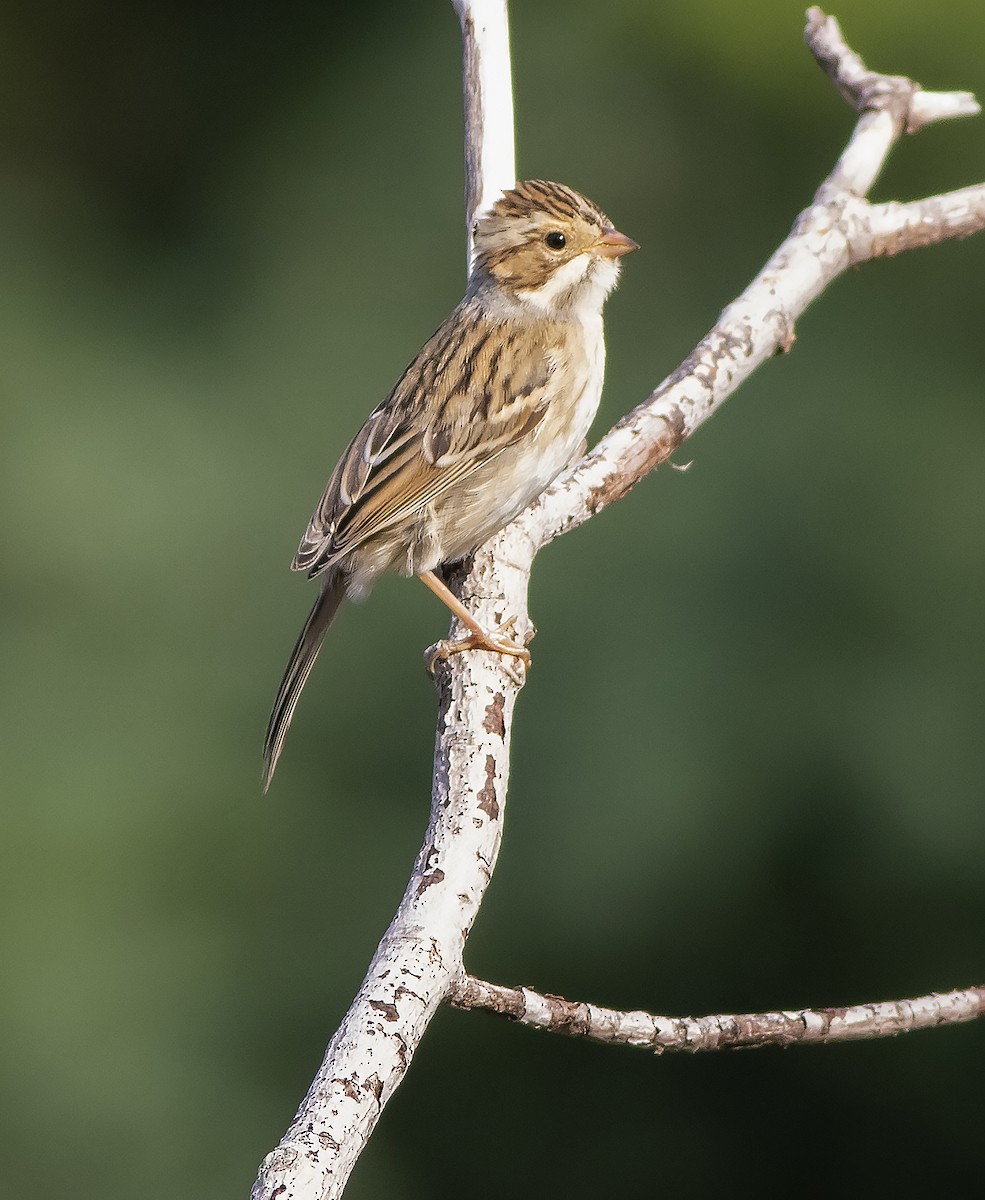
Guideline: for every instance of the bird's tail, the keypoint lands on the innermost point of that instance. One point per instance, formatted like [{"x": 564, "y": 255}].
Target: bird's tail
[{"x": 299, "y": 668}]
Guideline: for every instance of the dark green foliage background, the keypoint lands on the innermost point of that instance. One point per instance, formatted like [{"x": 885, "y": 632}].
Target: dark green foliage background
[{"x": 749, "y": 762}]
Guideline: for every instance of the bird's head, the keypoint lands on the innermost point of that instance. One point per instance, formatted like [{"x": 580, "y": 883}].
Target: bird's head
[{"x": 547, "y": 246}]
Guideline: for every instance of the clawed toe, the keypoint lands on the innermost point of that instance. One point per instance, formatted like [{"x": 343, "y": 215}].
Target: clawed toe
[
  {"x": 478, "y": 638},
  {"x": 447, "y": 647}
]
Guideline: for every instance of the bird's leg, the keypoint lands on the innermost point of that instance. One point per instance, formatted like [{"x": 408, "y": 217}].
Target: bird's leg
[{"x": 479, "y": 639}]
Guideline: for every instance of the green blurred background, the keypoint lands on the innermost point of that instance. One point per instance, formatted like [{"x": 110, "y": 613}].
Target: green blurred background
[{"x": 748, "y": 765}]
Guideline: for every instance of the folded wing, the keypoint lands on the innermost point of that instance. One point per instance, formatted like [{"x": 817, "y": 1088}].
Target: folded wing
[{"x": 476, "y": 388}]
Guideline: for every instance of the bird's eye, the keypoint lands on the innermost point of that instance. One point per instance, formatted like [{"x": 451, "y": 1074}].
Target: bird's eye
[{"x": 556, "y": 240}]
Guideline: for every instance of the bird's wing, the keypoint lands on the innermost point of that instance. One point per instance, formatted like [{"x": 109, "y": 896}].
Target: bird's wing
[{"x": 493, "y": 381}]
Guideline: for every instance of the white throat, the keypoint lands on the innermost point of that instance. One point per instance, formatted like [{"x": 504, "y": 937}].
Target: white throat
[{"x": 576, "y": 290}]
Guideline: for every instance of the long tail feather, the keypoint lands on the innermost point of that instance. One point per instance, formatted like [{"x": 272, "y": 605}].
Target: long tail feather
[{"x": 299, "y": 668}]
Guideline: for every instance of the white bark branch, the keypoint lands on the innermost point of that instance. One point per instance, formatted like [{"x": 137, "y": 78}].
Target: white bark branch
[
  {"x": 419, "y": 963},
  {"x": 487, "y": 84},
  {"x": 725, "y": 1031},
  {"x": 892, "y": 228},
  {"x": 840, "y": 229},
  {"x": 868, "y": 91}
]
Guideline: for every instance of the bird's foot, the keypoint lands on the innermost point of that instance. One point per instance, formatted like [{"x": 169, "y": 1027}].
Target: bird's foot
[{"x": 475, "y": 641}]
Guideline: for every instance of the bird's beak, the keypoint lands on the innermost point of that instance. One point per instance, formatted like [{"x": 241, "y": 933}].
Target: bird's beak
[{"x": 613, "y": 244}]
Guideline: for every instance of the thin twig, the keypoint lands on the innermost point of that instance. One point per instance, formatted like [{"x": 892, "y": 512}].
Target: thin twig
[{"x": 647, "y": 1031}]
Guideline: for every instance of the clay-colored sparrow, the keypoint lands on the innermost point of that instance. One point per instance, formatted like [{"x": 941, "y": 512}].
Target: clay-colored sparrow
[{"x": 496, "y": 404}]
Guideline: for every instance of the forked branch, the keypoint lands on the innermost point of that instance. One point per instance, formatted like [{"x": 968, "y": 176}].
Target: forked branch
[{"x": 840, "y": 229}]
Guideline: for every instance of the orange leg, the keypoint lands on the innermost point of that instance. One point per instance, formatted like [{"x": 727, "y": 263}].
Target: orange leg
[{"x": 480, "y": 638}]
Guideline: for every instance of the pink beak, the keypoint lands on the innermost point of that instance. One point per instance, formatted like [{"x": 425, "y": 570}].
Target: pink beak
[{"x": 613, "y": 244}]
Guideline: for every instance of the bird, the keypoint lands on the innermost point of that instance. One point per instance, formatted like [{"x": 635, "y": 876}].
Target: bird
[{"x": 498, "y": 401}]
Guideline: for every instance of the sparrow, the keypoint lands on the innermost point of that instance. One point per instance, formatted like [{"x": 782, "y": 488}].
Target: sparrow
[{"x": 492, "y": 409}]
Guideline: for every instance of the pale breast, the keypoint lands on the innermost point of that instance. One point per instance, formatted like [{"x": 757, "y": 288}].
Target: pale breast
[{"x": 501, "y": 489}]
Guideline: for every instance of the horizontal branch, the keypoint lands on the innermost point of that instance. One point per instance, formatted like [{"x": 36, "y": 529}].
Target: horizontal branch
[
  {"x": 728, "y": 1031},
  {"x": 893, "y": 227}
]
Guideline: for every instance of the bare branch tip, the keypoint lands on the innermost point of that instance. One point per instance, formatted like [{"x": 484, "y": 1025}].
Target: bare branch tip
[
  {"x": 816, "y": 17},
  {"x": 820, "y": 29},
  {"x": 928, "y": 107}
]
